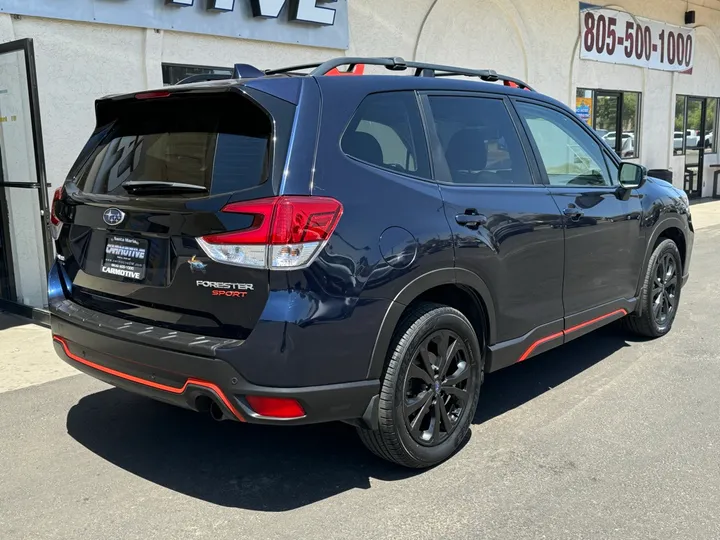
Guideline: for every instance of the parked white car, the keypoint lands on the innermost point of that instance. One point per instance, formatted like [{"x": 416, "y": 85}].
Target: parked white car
[{"x": 628, "y": 143}]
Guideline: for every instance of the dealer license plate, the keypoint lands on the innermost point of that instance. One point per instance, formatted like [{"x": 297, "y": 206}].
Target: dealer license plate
[{"x": 125, "y": 257}]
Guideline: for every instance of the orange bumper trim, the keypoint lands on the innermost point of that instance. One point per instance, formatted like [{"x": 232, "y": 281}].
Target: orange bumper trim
[{"x": 151, "y": 384}]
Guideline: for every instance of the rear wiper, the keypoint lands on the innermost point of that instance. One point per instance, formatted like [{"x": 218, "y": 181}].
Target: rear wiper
[{"x": 138, "y": 186}]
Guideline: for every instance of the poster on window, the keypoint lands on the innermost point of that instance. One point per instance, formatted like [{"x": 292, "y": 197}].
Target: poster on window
[
  {"x": 584, "y": 109},
  {"x": 617, "y": 37}
]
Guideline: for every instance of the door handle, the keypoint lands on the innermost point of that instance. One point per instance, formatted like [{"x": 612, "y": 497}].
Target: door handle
[
  {"x": 573, "y": 212},
  {"x": 471, "y": 219}
]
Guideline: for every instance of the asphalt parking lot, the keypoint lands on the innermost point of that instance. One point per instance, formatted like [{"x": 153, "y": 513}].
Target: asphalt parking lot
[{"x": 607, "y": 437}]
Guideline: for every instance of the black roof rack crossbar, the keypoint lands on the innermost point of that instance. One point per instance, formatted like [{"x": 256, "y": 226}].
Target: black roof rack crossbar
[{"x": 421, "y": 69}]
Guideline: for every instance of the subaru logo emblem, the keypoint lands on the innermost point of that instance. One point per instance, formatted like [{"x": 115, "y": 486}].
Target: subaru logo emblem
[{"x": 113, "y": 216}]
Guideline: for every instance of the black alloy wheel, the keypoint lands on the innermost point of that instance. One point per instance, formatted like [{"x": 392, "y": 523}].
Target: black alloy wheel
[
  {"x": 430, "y": 388},
  {"x": 659, "y": 300},
  {"x": 664, "y": 289},
  {"x": 436, "y": 387}
]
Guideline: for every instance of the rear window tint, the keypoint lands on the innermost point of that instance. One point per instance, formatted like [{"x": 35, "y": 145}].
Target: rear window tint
[
  {"x": 386, "y": 131},
  {"x": 220, "y": 143}
]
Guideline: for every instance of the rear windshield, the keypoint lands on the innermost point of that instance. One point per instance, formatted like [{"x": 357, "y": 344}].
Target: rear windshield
[{"x": 219, "y": 143}]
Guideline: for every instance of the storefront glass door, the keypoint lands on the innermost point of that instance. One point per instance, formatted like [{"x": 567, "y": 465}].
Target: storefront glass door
[
  {"x": 695, "y": 145},
  {"x": 25, "y": 247}
]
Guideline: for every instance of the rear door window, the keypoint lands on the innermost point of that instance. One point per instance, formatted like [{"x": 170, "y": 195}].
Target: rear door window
[
  {"x": 218, "y": 143},
  {"x": 479, "y": 141},
  {"x": 386, "y": 131}
]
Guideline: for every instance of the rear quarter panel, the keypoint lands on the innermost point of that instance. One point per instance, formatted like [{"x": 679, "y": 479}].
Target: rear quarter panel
[{"x": 320, "y": 324}]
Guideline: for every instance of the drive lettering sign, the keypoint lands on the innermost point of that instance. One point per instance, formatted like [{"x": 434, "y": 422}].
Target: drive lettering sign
[
  {"x": 319, "y": 23},
  {"x": 609, "y": 35}
]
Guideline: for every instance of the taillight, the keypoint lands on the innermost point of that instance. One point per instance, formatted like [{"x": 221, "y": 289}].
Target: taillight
[
  {"x": 55, "y": 222},
  {"x": 274, "y": 407},
  {"x": 287, "y": 233},
  {"x": 54, "y": 219}
]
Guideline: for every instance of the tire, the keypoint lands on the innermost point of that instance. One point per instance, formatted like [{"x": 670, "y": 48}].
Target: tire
[
  {"x": 654, "y": 322},
  {"x": 446, "y": 401}
]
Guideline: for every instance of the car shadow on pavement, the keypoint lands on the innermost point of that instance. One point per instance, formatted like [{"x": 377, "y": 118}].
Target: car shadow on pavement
[
  {"x": 514, "y": 386},
  {"x": 8, "y": 320},
  {"x": 265, "y": 468},
  {"x": 275, "y": 469}
]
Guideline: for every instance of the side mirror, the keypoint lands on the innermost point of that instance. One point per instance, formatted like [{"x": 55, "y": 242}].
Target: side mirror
[{"x": 632, "y": 176}]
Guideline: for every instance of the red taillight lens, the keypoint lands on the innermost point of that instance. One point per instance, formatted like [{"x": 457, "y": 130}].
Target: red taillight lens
[
  {"x": 53, "y": 215},
  {"x": 287, "y": 232},
  {"x": 274, "y": 407},
  {"x": 304, "y": 219}
]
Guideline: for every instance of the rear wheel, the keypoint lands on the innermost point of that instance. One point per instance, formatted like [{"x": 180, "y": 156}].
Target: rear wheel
[
  {"x": 430, "y": 389},
  {"x": 661, "y": 292}
]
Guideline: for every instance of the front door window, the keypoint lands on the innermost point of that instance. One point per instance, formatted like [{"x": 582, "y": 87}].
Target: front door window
[{"x": 570, "y": 156}]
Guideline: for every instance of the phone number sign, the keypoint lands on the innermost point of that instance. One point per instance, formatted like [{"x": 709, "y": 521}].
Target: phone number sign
[{"x": 608, "y": 35}]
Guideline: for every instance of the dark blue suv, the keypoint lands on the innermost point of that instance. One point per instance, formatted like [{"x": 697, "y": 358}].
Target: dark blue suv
[{"x": 286, "y": 247}]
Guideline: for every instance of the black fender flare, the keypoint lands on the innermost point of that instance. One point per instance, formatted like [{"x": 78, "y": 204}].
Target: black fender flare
[
  {"x": 415, "y": 288},
  {"x": 665, "y": 224}
]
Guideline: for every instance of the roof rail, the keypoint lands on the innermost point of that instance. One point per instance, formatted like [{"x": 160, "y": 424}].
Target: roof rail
[
  {"x": 399, "y": 64},
  {"x": 204, "y": 77},
  {"x": 422, "y": 69}
]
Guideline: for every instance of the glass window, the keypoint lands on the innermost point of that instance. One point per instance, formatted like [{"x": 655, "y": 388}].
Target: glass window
[
  {"x": 479, "y": 140},
  {"x": 693, "y": 124},
  {"x": 387, "y": 132},
  {"x": 629, "y": 113},
  {"x": 711, "y": 126},
  {"x": 688, "y": 124},
  {"x": 174, "y": 73},
  {"x": 678, "y": 134},
  {"x": 570, "y": 156},
  {"x": 610, "y": 112},
  {"x": 222, "y": 147}
]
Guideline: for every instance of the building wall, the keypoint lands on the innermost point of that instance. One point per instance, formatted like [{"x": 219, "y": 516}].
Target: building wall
[
  {"x": 536, "y": 40},
  {"x": 532, "y": 39}
]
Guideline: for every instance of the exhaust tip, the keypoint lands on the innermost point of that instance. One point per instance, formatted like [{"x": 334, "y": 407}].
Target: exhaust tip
[{"x": 216, "y": 412}]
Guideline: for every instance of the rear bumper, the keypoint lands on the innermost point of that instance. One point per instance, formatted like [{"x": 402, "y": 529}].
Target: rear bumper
[{"x": 181, "y": 378}]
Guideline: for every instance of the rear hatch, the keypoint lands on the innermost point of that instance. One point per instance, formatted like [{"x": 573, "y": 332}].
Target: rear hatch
[{"x": 153, "y": 178}]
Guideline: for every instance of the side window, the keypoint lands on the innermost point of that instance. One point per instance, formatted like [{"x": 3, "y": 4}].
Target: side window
[
  {"x": 614, "y": 170},
  {"x": 479, "y": 140},
  {"x": 569, "y": 154},
  {"x": 386, "y": 131}
]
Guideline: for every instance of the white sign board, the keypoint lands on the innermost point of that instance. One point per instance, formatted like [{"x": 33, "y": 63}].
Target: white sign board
[{"x": 617, "y": 37}]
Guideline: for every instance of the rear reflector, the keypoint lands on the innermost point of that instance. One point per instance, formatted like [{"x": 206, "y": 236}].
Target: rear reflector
[
  {"x": 286, "y": 233},
  {"x": 273, "y": 407}
]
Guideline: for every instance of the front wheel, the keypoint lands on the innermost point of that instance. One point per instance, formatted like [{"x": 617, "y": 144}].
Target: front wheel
[
  {"x": 430, "y": 389},
  {"x": 660, "y": 294}
]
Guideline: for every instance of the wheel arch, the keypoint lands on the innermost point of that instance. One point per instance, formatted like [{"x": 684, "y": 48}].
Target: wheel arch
[
  {"x": 672, "y": 228},
  {"x": 430, "y": 286}
]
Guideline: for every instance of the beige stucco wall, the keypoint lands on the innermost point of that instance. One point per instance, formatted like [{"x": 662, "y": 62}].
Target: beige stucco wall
[{"x": 532, "y": 39}]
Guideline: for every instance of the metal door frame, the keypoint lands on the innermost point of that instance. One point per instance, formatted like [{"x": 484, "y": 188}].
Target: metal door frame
[
  {"x": 701, "y": 142},
  {"x": 617, "y": 94},
  {"x": 41, "y": 185}
]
